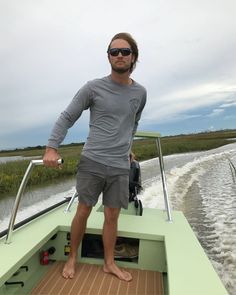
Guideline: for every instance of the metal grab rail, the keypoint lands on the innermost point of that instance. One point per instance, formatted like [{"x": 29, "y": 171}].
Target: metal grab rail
[
  {"x": 19, "y": 195},
  {"x": 163, "y": 177},
  {"x": 157, "y": 136},
  {"x": 67, "y": 209}
]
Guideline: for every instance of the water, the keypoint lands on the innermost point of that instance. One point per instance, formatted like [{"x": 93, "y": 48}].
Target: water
[
  {"x": 16, "y": 158},
  {"x": 201, "y": 184}
]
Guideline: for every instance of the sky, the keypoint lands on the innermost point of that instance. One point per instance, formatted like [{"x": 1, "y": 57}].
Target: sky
[{"x": 51, "y": 48}]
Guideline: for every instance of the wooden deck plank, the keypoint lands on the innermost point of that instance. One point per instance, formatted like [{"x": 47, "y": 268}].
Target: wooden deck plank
[{"x": 91, "y": 280}]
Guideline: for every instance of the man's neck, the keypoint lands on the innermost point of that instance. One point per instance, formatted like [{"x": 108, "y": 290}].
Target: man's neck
[{"x": 123, "y": 78}]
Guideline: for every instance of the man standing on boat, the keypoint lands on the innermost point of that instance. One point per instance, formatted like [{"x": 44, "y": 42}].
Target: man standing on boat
[{"x": 116, "y": 103}]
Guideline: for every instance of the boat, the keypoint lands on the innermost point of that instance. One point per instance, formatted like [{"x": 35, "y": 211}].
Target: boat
[{"x": 158, "y": 247}]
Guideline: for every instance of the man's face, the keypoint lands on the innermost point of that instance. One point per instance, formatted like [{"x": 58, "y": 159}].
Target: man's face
[{"x": 120, "y": 63}]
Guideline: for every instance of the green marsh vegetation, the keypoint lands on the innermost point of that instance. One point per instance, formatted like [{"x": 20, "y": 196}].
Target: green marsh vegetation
[{"x": 11, "y": 173}]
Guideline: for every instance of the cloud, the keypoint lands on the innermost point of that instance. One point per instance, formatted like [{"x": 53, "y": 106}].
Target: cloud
[
  {"x": 174, "y": 106},
  {"x": 228, "y": 104},
  {"x": 216, "y": 112},
  {"x": 211, "y": 128},
  {"x": 49, "y": 49}
]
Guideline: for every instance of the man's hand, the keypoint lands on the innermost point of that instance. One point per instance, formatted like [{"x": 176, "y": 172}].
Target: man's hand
[
  {"x": 131, "y": 156},
  {"x": 51, "y": 157}
]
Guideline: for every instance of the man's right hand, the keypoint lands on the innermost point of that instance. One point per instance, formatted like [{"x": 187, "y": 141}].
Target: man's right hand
[{"x": 51, "y": 157}]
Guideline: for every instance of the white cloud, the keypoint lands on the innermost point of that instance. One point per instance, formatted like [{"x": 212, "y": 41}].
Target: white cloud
[
  {"x": 211, "y": 128},
  {"x": 228, "y": 104},
  {"x": 174, "y": 106},
  {"x": 49, "y": 49},
  {"x": 216, "y": 112}
]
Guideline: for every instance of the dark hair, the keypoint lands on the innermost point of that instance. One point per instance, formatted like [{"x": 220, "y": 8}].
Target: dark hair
[{"x": 134, "y": 47}]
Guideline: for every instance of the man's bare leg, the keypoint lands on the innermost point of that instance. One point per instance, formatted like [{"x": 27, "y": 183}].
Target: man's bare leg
[
  {"x": 78, "y": 227},
  {"x": 109, "y": 241}
]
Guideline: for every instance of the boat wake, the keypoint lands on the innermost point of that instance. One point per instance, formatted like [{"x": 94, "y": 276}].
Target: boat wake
[{"x": 204, "y": 189}]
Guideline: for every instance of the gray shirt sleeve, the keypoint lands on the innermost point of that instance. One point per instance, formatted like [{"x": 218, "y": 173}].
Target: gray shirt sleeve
[{"x": 81, "y": 101}]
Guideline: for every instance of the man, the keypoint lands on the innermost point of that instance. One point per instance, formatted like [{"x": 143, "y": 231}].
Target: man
[{"x": 115, "y": 104}]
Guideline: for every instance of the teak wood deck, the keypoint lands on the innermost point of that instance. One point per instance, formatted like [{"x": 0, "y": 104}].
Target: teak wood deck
[{"x": 91, "y": 280}]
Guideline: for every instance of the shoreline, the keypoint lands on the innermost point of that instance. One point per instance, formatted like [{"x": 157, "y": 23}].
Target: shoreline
[{"x": 12, "y": 172}]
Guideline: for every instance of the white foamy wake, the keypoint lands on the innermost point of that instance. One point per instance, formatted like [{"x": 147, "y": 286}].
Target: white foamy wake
[
  {"x": 219, "y": 201},
  {"x": 217, "y": 230},
  {"x": 179, "y": 180}
]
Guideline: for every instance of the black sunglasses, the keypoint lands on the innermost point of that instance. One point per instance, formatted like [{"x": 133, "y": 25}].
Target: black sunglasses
[{"x": 116, "y": 51}]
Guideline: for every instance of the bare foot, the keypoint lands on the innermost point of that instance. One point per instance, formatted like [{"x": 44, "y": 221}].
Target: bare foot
[
  {"x": 69, "y": 269},
  {"x": 115, "y": 270}
]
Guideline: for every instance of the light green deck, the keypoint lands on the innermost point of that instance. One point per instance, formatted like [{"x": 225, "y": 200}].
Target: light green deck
[{"x": 171, "y": 245}]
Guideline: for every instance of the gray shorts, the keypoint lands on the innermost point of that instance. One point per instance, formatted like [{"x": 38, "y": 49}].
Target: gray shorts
[{"x": 94, "y": 178}]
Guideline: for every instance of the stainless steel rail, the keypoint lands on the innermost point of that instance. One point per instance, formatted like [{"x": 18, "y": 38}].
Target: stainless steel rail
[
  {"x": 19, "y": 195},
  {"x": 163, "y": 177},
  {"x": 156, "y": 136},
  {"x": 71, "y": 202}
]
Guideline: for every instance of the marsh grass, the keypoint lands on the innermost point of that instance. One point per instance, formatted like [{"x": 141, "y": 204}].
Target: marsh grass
[
  {"x": 146, "y": 149},
  {"x": 11, "y": 173}
]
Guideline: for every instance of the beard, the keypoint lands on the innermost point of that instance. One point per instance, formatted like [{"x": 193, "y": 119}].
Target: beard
[{"x": 120, "y": 70}]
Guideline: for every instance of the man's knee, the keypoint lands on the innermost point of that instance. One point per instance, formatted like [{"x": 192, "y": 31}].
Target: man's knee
[
  {"x": 111, "y": 214},
  {"x": 83, "y": 211}
]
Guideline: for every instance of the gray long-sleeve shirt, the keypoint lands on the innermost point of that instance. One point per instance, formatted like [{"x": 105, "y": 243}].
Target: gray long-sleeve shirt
[{"x": 115, "y": 110}]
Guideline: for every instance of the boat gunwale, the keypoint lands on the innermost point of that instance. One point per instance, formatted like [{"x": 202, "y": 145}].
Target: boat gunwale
[{"x": 181, "y": 245}]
